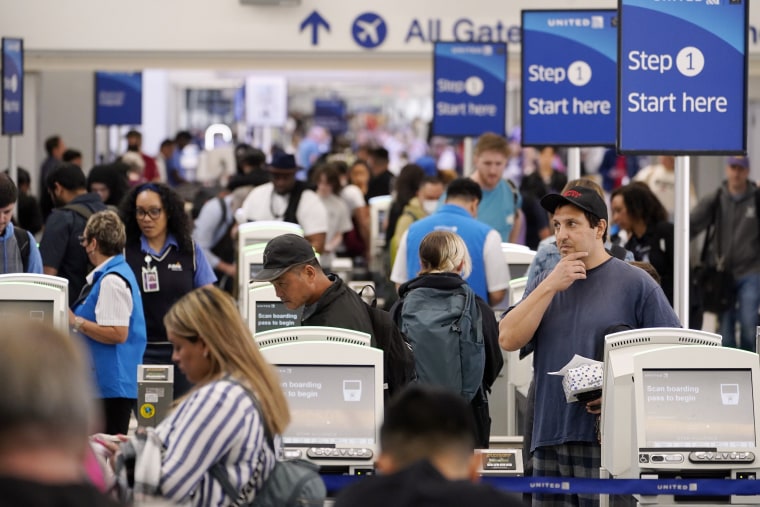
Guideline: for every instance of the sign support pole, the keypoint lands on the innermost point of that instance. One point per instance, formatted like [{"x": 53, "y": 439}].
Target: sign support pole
[
  {"x": 681, "y": 241},
  {"x": 468, "y": 154},
  {"x": 12, "y": 169},
  {"x": 573, "y": 163}
]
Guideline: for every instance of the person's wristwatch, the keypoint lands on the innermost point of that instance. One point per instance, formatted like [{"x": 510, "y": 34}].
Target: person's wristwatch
[{"x": 78, "y": 323}]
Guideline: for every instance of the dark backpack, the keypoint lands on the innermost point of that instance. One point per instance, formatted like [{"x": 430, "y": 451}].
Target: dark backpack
[
  {"x": 445, "y": 330},
  {"x": 225, "y": 247},
  {"x": 84, "y": 212},
  {"x": 398, "y": 358},
  {"x": 199, "y": 199},
  {"x": 22, "y": 239}
]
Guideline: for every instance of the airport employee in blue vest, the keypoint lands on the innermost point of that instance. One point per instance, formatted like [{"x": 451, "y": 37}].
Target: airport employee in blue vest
[
  {"x": 109, "y": 316},
  {"x": 490, "y": 274}
]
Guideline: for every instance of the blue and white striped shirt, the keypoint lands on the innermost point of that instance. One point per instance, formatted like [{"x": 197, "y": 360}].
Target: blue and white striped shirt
[{"x": 216, "y": 423}]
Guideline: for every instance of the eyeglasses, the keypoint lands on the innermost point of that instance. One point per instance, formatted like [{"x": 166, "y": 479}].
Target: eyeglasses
[
  {"x": 83, "y": 240},
  {"x": 153, "y": 213}
]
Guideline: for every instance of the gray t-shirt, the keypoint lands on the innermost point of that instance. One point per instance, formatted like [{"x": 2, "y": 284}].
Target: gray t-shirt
[{"x": 576, "y": 321}]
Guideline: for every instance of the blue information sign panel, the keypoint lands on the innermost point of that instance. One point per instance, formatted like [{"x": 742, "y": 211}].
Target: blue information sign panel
[
  {"x": 118, "y": 98},
  {"x": 13, "y": 86},
  {"x": 569, "y": 77},
  {"x": 469, "y": 88},
  {"x": 683, "y": 76}
]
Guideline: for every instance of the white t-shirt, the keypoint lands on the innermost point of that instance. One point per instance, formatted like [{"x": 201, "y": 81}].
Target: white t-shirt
[
  {"x": 338, "y": 223},
  {"x": 264, "y": 204},
  {"x": 353, "y": 197}
]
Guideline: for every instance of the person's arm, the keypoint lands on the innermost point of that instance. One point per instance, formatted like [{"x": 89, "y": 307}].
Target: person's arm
[
  {"x": 203, "y": 275},
  {"x": 312, "y": 217},
  {"x": 35, "y": 259},
  {"x": 497, "y": 271},
  {"x": 399, "y": 273},
  {"x": 519, "y": 325},
  {"x": 206, "y": 228},
  {"x": 361, "y": 215},
  {"x": 54, "y": 240},
  {"x": 514, "y": 234},
  {"x": 112, "y": 312},
  {"x": 317, "y": 241},
  {"x": 701, "y": 216}
]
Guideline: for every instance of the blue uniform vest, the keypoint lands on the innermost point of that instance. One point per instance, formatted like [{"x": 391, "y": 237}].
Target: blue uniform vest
[
  {"x": 451, "y": 217},
  {"x": 115, "y": 366}
]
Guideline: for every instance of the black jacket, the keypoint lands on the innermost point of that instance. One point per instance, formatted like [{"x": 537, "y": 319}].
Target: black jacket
[
  {"x": 422, "y": 485},
  {"x": 339, "y": 307},
  {"x": 17, "y": 492}
]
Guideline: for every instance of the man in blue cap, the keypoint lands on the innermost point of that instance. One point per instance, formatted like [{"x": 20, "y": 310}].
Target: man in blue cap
[
  {"x": 733, "y": 245},
  {"x": 286, "y": 199}
]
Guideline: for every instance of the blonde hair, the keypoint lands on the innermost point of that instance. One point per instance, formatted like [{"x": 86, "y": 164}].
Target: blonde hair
[
  {"x": 106, "y": 227},
  {"x": 444, "y": 252},
  {"x": 210, "y": 314},
  {"x": 47, "y": 398}
]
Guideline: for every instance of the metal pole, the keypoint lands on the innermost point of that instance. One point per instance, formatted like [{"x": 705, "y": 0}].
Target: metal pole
[
  {"x": 681, "y": 240},
  {"x": 468, "y": 154},
  {"x": 573, "y": 163},
  {"x": 12, "y": 168}
]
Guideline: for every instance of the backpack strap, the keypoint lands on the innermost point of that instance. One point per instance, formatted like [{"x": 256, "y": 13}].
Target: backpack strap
[
  {"x": 79, "y": 209},
  {"x": 295, "y": 198},
  {"x": 223, "y": 204},
  {"x": 515, "y": 192},
  {"x": 24, "y": 248}
]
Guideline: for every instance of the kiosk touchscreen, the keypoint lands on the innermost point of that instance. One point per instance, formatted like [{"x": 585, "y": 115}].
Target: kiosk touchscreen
[
  {"x": 617, "y": 427},
  {"x": 695, "y": 410},
  {"x": 333, "y": 381},
  {"x": 266, "y": 311},
  {"x": 43, "y": 298}
]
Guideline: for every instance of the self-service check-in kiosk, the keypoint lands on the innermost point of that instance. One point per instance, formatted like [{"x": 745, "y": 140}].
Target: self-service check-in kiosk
[
  {"x": 333, "y": 381},
  {"x": 155, "y": 393},
  {"x": 695, "y": 412},
  {"x": 675, "y": 411}
]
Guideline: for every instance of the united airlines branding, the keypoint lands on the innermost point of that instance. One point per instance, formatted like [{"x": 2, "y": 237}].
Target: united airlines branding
[
  {"x": 589, "y": 22},
  {"x": 472, "y": 50}
]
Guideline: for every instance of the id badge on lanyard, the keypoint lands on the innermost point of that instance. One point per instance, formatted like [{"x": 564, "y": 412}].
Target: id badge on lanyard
[{"x": 150, "y": 276}]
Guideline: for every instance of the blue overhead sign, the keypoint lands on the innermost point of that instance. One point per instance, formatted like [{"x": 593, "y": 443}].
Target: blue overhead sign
[
  {"x": 683, "y": 80},
  {"x": 569, "y": 77},
  {"x": 118, "y": 98},
  {"x": 13, "y": 86},
  {"x": 469, "y": 88}
]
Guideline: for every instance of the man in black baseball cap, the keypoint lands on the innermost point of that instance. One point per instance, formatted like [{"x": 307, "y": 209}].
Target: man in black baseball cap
[
  {"x": 567, "y": 312},
  {"x": 290, "y": 264}
]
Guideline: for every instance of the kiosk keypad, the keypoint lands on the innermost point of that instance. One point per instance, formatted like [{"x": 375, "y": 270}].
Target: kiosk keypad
[
  {"x": 721, "y": 457},
  {"x": 339, "y": 453}
]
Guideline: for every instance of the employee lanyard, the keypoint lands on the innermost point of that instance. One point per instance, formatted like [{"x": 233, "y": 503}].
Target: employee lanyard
[{"x": 150, "y": 273}]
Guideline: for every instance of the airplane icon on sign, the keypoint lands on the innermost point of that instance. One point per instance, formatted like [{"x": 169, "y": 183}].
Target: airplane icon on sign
[{"x": 369, "y": 30}]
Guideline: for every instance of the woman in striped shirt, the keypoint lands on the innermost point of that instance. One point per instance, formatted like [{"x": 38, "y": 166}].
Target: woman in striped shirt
[{"x": 217, "y": 422}]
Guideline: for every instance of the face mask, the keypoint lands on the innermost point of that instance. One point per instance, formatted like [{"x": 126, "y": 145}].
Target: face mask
[{"x": 430, "y": 206}]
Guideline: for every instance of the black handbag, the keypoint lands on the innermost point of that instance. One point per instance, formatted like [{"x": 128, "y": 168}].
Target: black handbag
[{"x": 716, "y": 282}]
